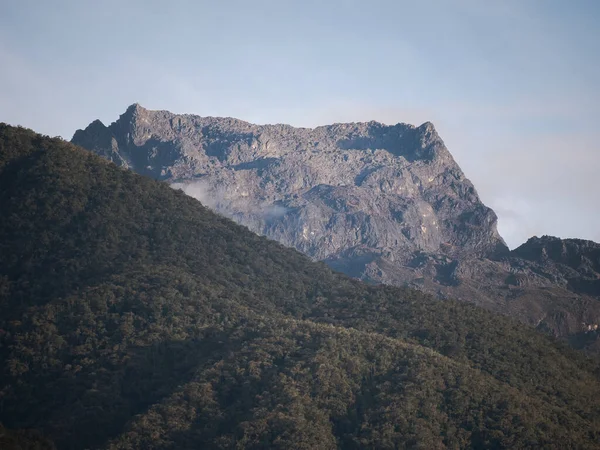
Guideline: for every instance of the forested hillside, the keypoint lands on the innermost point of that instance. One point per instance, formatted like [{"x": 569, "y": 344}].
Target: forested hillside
[{"x": 133, "y": 317}]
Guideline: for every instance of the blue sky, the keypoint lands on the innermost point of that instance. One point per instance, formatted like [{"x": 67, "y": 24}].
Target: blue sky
[{"x": 512, "y": 86}]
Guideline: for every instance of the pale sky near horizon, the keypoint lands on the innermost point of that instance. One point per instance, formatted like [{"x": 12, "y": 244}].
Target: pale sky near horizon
[{"x": 511, "y": 86}]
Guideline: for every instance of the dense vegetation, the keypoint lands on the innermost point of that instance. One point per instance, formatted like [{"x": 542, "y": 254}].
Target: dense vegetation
[{"x": 133, "y": 317}]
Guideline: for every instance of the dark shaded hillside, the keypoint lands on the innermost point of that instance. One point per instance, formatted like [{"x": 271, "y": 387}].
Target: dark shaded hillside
[{"x": 133, "y": 317}]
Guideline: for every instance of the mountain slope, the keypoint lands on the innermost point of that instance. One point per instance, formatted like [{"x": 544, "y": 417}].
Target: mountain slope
[
  {"x": 386, "y": 204},
  {"x": 133, "y": 317}
]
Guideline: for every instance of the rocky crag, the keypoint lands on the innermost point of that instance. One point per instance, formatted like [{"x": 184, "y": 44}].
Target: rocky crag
[{"x": 386, "y": 204}]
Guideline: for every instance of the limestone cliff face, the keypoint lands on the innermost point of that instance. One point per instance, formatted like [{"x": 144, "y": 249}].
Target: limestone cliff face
[{"x": 382, "y": 203}]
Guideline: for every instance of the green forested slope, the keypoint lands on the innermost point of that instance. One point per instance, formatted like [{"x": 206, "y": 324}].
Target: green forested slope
[{"x": 133, "y": 317}]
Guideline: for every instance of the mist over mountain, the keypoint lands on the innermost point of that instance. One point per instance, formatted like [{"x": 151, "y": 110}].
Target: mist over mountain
[
  {"x": 131, "y": 316},
  {"x": 385, "y": 204}
]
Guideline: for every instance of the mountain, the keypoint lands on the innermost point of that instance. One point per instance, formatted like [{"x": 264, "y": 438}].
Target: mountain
[
  {"x": 357, "y": 188},
  {"x": 385, "y": 204},
  {"x": 131, "y": 316}
]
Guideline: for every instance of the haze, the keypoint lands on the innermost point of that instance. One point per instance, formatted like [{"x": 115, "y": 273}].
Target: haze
[{"x": 512, "y": 86}]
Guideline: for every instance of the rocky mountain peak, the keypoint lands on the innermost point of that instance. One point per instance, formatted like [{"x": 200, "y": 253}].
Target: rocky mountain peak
[
  {"x": 346, "y": 188},
  {"x": 94, "y": 128},
  {"x": 96, "y": 137},
  {"x": 133, "y": 113},
  {"x": 428, "y": 132}
]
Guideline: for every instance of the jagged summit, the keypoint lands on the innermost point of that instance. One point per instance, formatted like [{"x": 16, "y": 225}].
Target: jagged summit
[
  {"x": 95, "y": 127},
  {"x": 95, "y": 124},
  {"x": 138, "y": 109},
  {"x": 401, "y": 139},
  {"x": 135, "y": 107}
]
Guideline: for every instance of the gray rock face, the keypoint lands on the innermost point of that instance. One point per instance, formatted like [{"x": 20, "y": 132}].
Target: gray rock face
[
  {"x": 325, "y": 191},
  {"x": 382, "y": 203}
]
